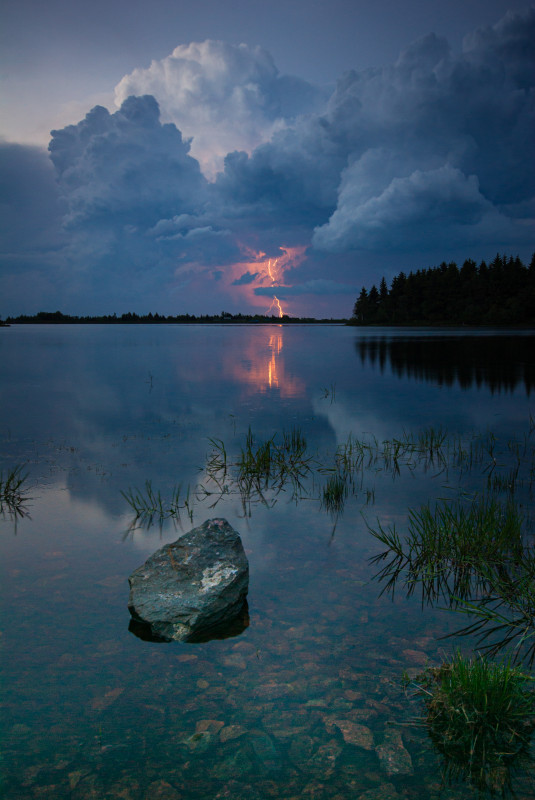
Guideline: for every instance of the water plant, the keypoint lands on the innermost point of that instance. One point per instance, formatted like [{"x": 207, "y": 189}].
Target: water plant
[
  {"x": 264, "y": 467},
  {"x": 448, "y": 547},
  {"x": 14, "y": 492},
  {"x": 480, "y": 716},
  {"x": 261, "y": 470},
  {"x": 504, "y": 617},
  {"x": 334, "y": 493},
  {"x": 429, "y": 448},
  {"x": 329, "y": 392},
  {"x": 150, "y": 506},
  {"x": 474, "y": 558}
]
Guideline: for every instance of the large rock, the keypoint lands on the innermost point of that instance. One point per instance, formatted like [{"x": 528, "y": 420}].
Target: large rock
[{"x": 193, "y": 589}]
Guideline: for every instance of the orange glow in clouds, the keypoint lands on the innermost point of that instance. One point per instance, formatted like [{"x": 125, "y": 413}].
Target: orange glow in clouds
[{"x": 269, "y": 273}]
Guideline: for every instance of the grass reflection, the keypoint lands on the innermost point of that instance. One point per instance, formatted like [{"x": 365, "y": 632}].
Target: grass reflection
[
  {"x": 14, "y": 493},
  {"x": 260, "y": 471},
  {"x": 151, "y": 507},
  {"x": 473, "y": 558},
  {"x": 448, "y": 548}
]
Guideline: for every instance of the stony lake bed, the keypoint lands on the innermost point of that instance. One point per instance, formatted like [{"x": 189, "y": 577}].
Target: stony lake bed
[{"x": 310, "y": 697}]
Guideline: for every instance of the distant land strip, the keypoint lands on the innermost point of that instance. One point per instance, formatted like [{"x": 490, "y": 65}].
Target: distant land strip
[{"x": 57, "y": 317}]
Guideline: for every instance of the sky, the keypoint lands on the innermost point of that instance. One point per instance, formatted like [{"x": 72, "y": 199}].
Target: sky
[{"x": 251, "y": 157}]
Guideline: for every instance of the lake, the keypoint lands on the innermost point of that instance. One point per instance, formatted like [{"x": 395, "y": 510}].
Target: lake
[{"x": 306, "y": 701}]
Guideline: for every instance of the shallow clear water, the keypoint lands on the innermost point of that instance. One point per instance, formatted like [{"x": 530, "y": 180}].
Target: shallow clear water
[{"x": 90, "y": 710}]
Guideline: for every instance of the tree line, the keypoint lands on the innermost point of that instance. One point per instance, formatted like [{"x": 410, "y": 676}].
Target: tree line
[
  {"x": 57, "y": 317},
  {"x": 499, "y": 293}
]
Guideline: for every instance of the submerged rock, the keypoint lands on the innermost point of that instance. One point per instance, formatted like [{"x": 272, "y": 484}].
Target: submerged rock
[
  {"x": 356, "y": 734},
  {"x": 193, "y": 589},
  {"x": 265, "y": 751},
  {"x": 199, "y": 742},
  {"x": 394, "y": 758},
  {"x": 385, "y": 792}
]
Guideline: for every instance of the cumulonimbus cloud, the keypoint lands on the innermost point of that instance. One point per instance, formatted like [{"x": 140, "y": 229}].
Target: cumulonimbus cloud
[
  {"x": 125, "y": 168},
  {"x": 433, "y": 150},
  {"x": 224, "y": 97},
  {"x": 437, "y": 143}
]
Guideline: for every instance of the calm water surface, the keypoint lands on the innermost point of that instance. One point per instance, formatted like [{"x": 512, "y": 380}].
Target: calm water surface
[{"x": 301, "y": 703}]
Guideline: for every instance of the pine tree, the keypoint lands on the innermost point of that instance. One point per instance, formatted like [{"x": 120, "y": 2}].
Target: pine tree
[{"x": 360, "y": 310}]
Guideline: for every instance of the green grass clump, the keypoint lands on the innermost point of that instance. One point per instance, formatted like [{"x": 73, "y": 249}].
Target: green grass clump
[{"x": 480, "y": 717}]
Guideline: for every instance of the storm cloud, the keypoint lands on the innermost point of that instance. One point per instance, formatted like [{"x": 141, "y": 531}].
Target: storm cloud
[
  {"x": 226, "y": 97},
  {"x": 320, "y": 287},
  {"x": 32, "y": 260},
  {"x": 438, "y": 144},
  {"x": 125, "y": 167},
  {"x": 416, "y": 160},
  {"x": 245, "y": 279}
]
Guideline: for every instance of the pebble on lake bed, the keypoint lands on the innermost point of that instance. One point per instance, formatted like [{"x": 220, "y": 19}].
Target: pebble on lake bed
[{"x": 393, "y": 757}]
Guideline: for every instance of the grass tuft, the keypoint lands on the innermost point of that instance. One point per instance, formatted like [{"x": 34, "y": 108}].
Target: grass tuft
[
  {"x": 334, "y": 494},
  {"x": 480, "y": 717},
  {"x": 261, "y": 470}
]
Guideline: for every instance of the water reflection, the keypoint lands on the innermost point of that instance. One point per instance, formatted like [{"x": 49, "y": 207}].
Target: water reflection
[
  {"x": 226, "y": 630},
  {"x": 14, "y": 494},
  {"x": 490, "y": 770},
  {"x": 501, "y": 363},
  {"x": 262, "y": 367},
  {"x": 91, "y": 713}
]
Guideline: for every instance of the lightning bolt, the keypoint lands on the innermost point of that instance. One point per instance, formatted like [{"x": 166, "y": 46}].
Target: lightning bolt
[
  {"x": 275, "y": 303},
  {"x": 275, "y": 306},
  {"x": 268, "y": 273}
]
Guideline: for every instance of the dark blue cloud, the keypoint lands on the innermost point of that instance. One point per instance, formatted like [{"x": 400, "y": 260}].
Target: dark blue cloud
[
  {"x": 125, "y": 168},
  {"x": 438, "y": 145},
  {"x": 246, "y": 278},
  {"x": 318, "y": 286},
  {"x": 33, "y": 267},
  {"x": 31, "y": 208}
]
